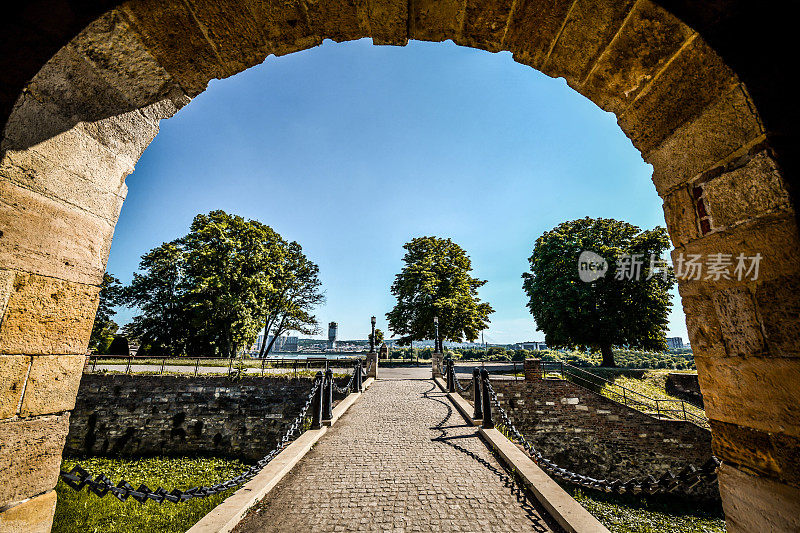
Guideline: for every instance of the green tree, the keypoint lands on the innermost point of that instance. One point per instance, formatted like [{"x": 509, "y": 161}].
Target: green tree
[
  {"x": 159, "y": 292},
  {"x": 294, "y": 293},
  {"x": 435, "y": 282},
  {"x": 608, "y": 311},
  {"x": 230, "y": 266},
  {"x": 104, "y": 328},
  {"x": 378, "y": 337}
]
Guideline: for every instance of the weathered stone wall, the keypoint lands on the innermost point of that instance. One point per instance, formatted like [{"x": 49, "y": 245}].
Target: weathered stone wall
[
  {"x": 592, "y": 435},
  {"x": 685, "y": 387},
  {"x": 130, "y": 415}
]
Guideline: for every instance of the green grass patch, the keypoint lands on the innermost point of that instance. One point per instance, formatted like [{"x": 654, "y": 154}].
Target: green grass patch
[
  {"x": 83, "y": 512},
  {"x": 639, "y": 515},
  {"x": 651, "y": 385}
]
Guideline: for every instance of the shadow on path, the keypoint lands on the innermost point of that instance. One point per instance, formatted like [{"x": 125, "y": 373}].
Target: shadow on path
[{"x": 532, "y": 509}]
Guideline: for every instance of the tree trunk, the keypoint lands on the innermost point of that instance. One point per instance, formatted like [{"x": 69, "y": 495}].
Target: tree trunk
[{"x": 608, "y": 355}]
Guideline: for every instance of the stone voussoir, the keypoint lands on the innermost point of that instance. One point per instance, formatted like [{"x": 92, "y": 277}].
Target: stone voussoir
[
  {"x": 46, "y": 315},
  {"x": 30, "y": 457}
]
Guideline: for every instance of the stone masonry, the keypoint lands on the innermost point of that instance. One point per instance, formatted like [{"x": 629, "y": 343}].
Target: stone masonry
[
  {"x": 589, "y": 434},
  {"x": 401, "y": 459},
  {"x": 130, "y": 415}
]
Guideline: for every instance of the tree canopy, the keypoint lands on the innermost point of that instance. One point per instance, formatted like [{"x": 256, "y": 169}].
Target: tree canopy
[
  {"x": 626, "y": 306},
  {"x": 104, "y": 327},
  {"x": 378, "y": 337},
  {"x": 215, "y": 288},
  {"x": 435, "y": 282},
  {"x": 295, "y": 292},
  {"x": 159, "y": 292}
]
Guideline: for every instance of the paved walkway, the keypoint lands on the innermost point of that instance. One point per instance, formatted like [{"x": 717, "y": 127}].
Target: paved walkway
[{"x": 401, "y": 459}]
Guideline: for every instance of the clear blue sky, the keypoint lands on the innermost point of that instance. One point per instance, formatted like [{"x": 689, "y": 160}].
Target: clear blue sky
[{"x": 353, "y": 149}]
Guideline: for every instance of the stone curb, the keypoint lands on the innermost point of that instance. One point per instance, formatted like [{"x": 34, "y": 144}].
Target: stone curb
[
  {"x": 569, "y": 514},
  {"x": 225, "y": 516}
]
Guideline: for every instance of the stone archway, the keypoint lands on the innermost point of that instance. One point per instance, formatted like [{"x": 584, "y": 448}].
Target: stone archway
[{"x": 79, "y": 125}]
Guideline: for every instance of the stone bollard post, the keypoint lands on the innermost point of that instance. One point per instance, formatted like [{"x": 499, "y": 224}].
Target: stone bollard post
[
  {"x": 372, "y": 365},
  {"x": 488, "y": 423},
  {"x": 316, "y": 404},
  {"x": 533, "y": 369},
  {"x": 477, "y": 414},
  {"x": 436, "y": 364},
  {"x": 327, "y": 397}
]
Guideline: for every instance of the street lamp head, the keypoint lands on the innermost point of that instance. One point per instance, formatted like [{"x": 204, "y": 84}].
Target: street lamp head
[
  {"x": 436, "y": 320},
  {"x": 373, "y": 321}
]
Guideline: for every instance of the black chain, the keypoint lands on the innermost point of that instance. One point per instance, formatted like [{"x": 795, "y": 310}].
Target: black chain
[
  {"x": 101, "y": 485},
  {"x": 346, "y": 388},
  {"x": 687, "y": 479},
  {"x": 460, "y": 387}
]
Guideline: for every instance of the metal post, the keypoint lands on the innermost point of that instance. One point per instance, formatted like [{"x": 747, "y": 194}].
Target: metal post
[
  {"x": 658, "y": 410},
  {"x": 372, "y": 336},
  {"x": 197, "y": 365},
  {"x": 451, "y": 372},
  {"x": 230, "y": 365},
  {"x": 327, "y": 396},
  {"x": 94, "y": 363},
  {"x": 683, "y": 405},
  {"x": 476, "y": 393},
  {"x": 316, "y": 405},
  {"x": 128, "y": 369},
  {"x": 358, "y": 383},
  {"x": 354, "y": 384},
  {"x": 163, "y": 361},
  {"x": 488, "y": 423},
  {"x": 263, "y": 360}
]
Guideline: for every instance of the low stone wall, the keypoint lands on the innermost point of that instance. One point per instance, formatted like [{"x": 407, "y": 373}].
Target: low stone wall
[
  {"x": 137, "y": 415},
  {"x": 686, "y": 387},
  {"x": 587, "y": 433}
]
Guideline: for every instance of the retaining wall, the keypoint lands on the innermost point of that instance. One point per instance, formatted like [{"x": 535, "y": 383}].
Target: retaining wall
[
  {"x": 587, "y": 433},
  {"x": 137, "y": 415}
]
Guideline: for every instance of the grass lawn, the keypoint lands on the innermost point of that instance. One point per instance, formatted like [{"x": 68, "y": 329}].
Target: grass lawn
[
  {"x": 83, "y": 512},
  {"x": 640, "y": 516},
  {"x": 652, "y": 383}
]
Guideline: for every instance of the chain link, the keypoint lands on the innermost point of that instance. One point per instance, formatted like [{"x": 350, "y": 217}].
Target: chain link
[
  {"x": 687, "y": 479},
  {"x": 101, "y": 485},
  {"x": 346, "y": 389}
]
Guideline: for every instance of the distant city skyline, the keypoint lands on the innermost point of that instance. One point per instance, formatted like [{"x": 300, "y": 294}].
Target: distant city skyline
[{"x": 381, "y": 145}]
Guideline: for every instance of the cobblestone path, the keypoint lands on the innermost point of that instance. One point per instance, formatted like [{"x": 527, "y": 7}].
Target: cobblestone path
[{"x": 401, "y": 459}]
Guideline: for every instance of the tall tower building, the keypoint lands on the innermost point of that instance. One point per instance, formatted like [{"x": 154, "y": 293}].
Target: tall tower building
[{"x": 333, "y": 330}]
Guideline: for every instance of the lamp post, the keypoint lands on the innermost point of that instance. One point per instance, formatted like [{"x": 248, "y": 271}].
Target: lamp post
[
  {"x": 436, "y": 340},
  {"x": 372, "y": 337}
]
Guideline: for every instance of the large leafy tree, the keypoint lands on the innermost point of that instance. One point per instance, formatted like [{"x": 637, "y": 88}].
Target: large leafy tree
[
  {"x": 294, "y": 293},
  {"x": 623, "y": 307},
  {"x": 159, "y": 292},
  {"x": 435, "y": 282},
  {"x": 213, "y": 289},
  {"x": 104, "y": 327},
  {"x": 230, "y": 264}
]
